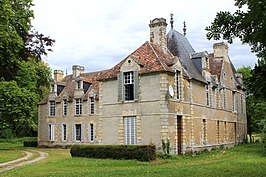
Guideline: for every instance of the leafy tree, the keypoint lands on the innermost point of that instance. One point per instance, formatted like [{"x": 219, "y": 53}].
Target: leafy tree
[
  {"x": 22, "y": 72},
  {"x": 250, "y": 27},
  {"x": 19, "y": 112}
]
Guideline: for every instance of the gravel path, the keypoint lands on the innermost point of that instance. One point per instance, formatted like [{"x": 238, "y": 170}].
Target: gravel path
[{"x": 13, "y": 164}]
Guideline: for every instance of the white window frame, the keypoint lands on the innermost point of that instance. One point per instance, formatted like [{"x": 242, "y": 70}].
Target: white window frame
[
  {"x": 64, "y": 132},
  {"x": 76, "y": 133},
  {"x": 92, "y": 105},
  {"x": 91, "y": 132},
  {"x": 208, "y": 95},
  {"x": 178, "y": 83},
  {"x": 129, "y": 81},
  {"x": 65, "y": 107},
  {"x": 78, "y": 106},
  {"x": 52, "y": 108},
  {"x": 130, "y": 136},
  {"x": 51, "y": 132}
]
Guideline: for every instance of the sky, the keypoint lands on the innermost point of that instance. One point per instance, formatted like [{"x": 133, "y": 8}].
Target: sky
[{"x": 99, "y": 34}]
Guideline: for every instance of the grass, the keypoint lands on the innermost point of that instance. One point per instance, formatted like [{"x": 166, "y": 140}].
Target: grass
[{"x": 243, "y": 160}]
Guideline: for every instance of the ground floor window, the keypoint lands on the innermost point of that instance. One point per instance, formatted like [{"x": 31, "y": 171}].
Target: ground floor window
[
  {"x": 51, "y": 132},
  {"x": 78, "y": 132},
  {"x": 130, "y": 130},
  {"x": 64, "y": 132},
  {"x": 91, "y": 132}
]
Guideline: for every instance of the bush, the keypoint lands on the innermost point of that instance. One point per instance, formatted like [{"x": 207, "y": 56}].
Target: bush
[
  {"x": 138, "y": 152},
  {"x": 30, "y": 143}
]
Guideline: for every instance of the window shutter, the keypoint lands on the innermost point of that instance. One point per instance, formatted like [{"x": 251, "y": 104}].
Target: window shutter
[
  {"x": 89, "y": 133},
  {"x": 82, "y": 132},
  {"x": 62, "y": 132},
  {"x": 52, "y": 132},
  {"x": 73, "y": 133},
  {"x": 136, "y": 85},
  {"x": 120, "y": 86}
]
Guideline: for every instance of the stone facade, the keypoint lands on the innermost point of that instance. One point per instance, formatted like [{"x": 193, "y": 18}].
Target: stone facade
[{"x": 194, "y": 100}]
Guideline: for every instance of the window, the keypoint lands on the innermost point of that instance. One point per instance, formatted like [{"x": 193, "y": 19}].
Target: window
[
  {"x": 78, "y": 84},
  {"x": 52, "y": 108},
  {"x": 234, "y": 101},
  {"x": 78, "y": 106},
  {"x": 64, "y": 107},
  {"x": 51, "y": 132},
  {"x": 92, "y": 105},
  {"x": 91, "y": 132},
  {"x": 207, "y": 95},
  {"x": 224, "y": 93},
  {"x": 218, "y": 131},
  {"x": 78, "y": 132},
  {"x": 64, "y": 132},
  {"x": 177, "y": 84},
  {"x": 130, "y": 130},
  {"x": 127, "y": 85},
  {"x": 52, "y": 87}
]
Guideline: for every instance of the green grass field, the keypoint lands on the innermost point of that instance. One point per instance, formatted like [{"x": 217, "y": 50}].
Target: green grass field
[{"x": 243, "y": 160}]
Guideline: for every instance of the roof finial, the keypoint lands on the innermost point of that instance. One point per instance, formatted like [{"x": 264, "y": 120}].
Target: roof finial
[
  {"x": 185, "y": 28},
  {"x": 172, "y": 20}
]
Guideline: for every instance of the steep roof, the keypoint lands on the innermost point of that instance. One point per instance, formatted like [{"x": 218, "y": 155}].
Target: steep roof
[
  {"x": 150, "y": 57},
  {"x": 180, "y": 47}
]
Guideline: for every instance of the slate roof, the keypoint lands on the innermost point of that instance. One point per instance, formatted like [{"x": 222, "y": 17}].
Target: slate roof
[{"x": 180, "y": 47}]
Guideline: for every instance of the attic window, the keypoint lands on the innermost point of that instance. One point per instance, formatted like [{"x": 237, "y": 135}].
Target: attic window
[
  {"x": 78, "y": 84},
  {"x": 52, "y": 87},
  {"x": 129, "y": 61}
]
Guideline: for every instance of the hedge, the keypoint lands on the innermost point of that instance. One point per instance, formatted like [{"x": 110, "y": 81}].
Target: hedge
[
  {"x": 30, "y": 143},
  {"x": 138, "y": 152}
]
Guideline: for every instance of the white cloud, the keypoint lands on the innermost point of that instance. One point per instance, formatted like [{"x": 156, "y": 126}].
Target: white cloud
[{"x": 98, "y": 34}]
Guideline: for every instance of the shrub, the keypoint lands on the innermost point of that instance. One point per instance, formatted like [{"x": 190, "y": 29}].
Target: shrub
[
  {"x": 138, "y": 152},
  {"x": 30, "y": 143}
]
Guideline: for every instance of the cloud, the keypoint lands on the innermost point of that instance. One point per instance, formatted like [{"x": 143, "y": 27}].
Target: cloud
[{"x": 99, "y": 34}]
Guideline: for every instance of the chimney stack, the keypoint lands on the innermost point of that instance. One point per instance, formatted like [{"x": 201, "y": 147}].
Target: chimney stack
[
  {"x": 158, "y": 32},
  {"x": 77, "y": 70},
  {"x": 58, "y": 75},
  {"x": 220, "y": 49}
]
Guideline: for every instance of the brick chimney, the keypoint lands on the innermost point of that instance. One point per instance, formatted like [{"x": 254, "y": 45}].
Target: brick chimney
[
  {"x": 58, "y": 75},
  {"x": 220, "y": 49},
  {"x": 158, "y": 32},
  {"x": 77, "y": 70}
]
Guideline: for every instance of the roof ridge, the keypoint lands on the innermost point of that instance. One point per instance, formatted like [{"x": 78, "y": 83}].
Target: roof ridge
[{"x": 157, "y": 56}]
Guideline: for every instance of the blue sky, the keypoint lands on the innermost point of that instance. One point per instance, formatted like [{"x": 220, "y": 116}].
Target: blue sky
[{"x": 99, "y": 34}]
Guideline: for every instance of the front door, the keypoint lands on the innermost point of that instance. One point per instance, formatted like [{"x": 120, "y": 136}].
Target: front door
[{"x": 179, "y": 134}]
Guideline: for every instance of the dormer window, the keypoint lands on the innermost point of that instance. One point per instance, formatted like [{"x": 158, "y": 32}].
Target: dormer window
[
  {"x": 52, "y": 108},
  {"x": 78, "y": 84},
  {"x": 92, "y": 105},
  {"x": 128, "y": 86},
  {"x": 52, "y": 87},
  {"x": 78, "y": 110}
]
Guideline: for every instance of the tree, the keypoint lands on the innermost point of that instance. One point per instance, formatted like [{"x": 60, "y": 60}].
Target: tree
[
  {"x": 22, "y": 72},
  {"x": 17, "y": 119},
  {"x": 250, "y": 27}
]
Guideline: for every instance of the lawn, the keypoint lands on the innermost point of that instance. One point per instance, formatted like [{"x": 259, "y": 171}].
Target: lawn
[{"x": 243, "y": 160}]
